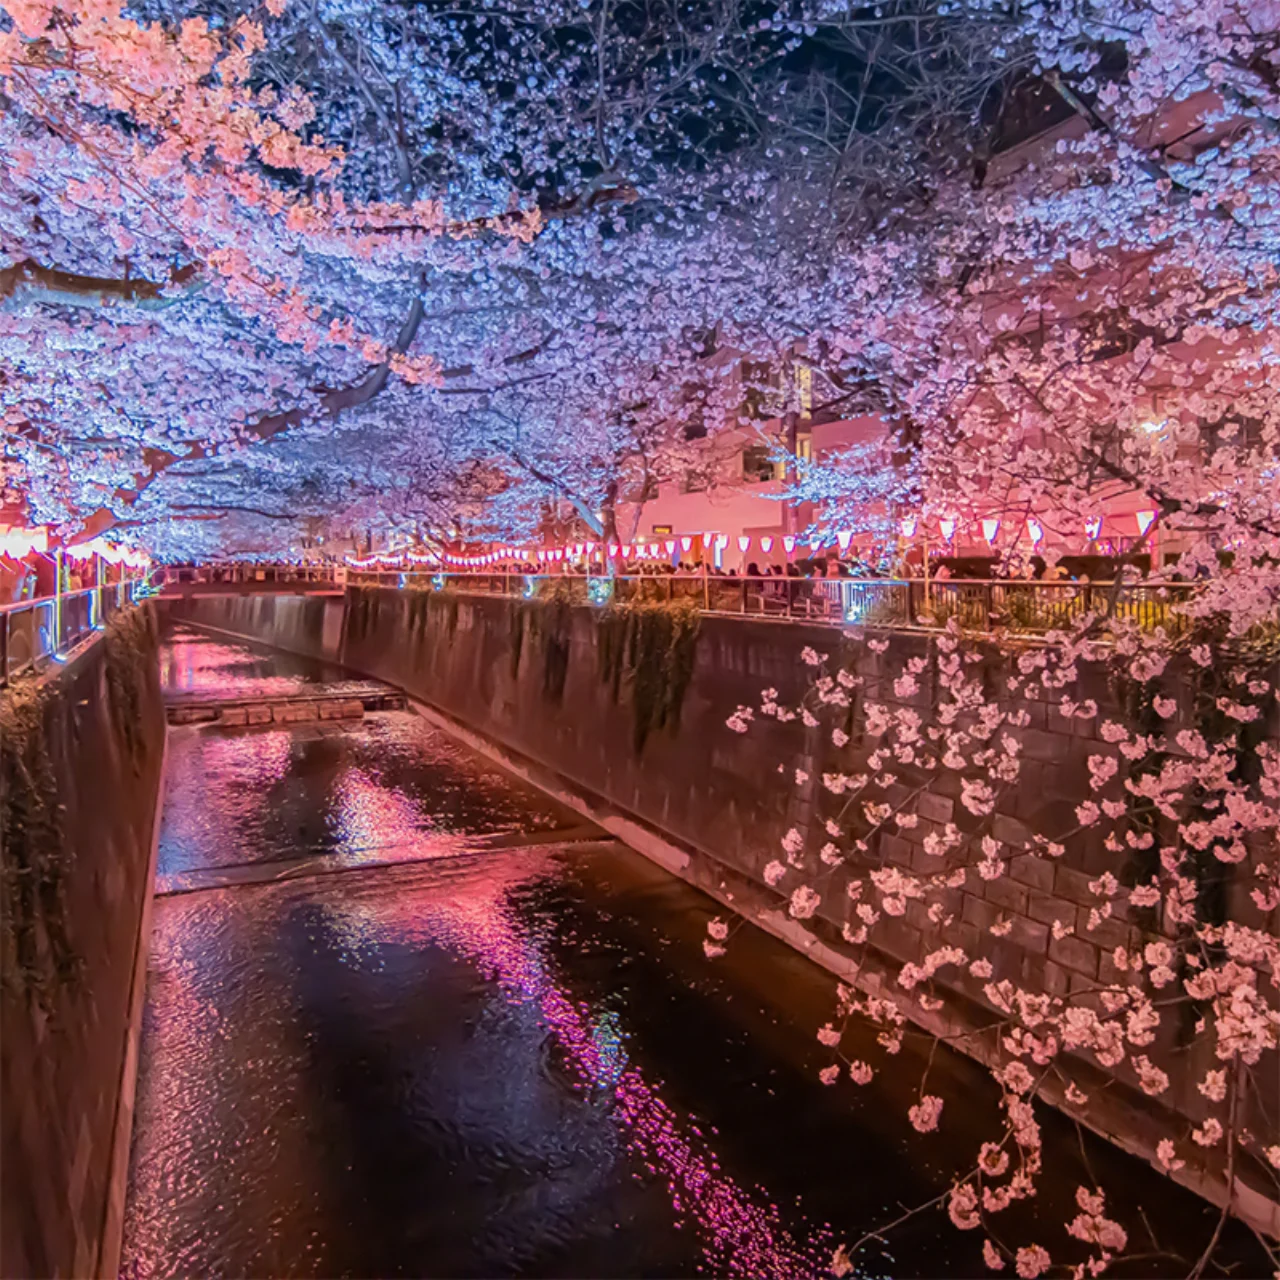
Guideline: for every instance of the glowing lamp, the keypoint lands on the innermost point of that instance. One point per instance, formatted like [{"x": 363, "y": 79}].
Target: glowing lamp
[
  {"x": 722, "y": 540},
  {"x": 814, "y": 543},
  {"x": 670, "y": 545},
  {"x": 626, "y": 552},
  {"x": 744, "y": 541},
  {"x": 1036, "y": 530},
  {"x": 844, "y": 537},
  {"x": 788, "y": 543},
  {"x": 990, "y": 530},
  {"x": 908, "y": 527},
  {"x": 766, "y": 544},
  {"x": 613, "y": 548},
  {"x": 653, "y": 548},
  {"x": 948, "y": 527},
  {"x": 686, "y": 543},
  {"x": 1145, "y": 520},
  {"x": 1093, "y": 527}
]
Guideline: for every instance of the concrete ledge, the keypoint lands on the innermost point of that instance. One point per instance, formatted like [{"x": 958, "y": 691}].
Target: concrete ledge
[{"x": 108, "y": 1265}]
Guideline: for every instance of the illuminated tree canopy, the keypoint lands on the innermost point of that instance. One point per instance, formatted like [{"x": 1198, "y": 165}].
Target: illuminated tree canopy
[{"x": 392, "y": 266}]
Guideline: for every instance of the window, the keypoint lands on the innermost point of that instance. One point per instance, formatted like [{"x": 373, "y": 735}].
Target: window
[
  {"x": 804, "y": 389},
  {"x": 757, "y": 466}
]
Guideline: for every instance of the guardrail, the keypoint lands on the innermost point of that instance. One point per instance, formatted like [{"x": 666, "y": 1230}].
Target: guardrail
[
  {"x": 246, "y": 575},
  {"x": 1015, "y": 604},
  {"x": 980, "y": 605},
  {"x": 46, "y": 629}
]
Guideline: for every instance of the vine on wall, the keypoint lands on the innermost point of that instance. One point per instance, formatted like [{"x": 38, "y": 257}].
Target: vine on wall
[
  {"x": 37, "y": 957},
  {"x": 648, "y": 646},
  {"x": 651, "y": 647}
]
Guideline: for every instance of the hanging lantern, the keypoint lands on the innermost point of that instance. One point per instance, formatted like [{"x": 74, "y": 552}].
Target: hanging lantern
[
  {"x": 1093, "y": 527},
  {"x": 1036, "y": 531},
  {"x": 670, "y": 545},
  {"x": 844, "y": 537},
  {"x": 1145, "y": 520},
  {"x": 653, "y": 549},
  {"x": 613, "y": 549},
  {"x": 990, "y": 530},
  {"x": 788, "y": 543},
  {"x": 948, "y": 527},
  {"x": 744, "y": 541},
  {"x": 908, "y": 527},
  {"x": 766, "y": 544},
  {"x": 686, "y": 543},
  {"x": 722, "y": 540},
  {"x": 626, "y": 552}
]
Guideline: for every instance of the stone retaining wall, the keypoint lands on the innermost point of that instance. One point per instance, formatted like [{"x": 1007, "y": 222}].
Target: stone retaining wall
[{"x": 68, "y": 989}]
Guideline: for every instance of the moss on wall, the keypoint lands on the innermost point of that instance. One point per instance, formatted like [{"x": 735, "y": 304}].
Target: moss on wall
[
  {"x": 36, "y": 956},
  {"x": 651, "y": 648}
]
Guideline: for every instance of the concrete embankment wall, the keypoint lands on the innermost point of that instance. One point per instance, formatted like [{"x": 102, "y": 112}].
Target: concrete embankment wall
[
  {"x": 80, "y": 763},
  {"x": 306, "y": 624},
  {"x": 547, "y": 685}
]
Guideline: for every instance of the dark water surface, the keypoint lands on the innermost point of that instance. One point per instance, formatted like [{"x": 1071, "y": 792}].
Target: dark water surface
[
  {"x": 203, "y": 664},
  {"x": 406, "y": 1017}
]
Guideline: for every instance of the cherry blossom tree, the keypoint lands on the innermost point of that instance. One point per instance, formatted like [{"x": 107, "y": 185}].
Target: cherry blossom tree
[{"x": 409, "y": 267}]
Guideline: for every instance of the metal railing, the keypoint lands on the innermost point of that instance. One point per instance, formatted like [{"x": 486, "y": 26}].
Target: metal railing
[
  {"x": 978, "y": 605},
  {"x": 33, "y": 632},
  {"x": 1014, "y": 604},
  {"x": 246, "y": 575}
]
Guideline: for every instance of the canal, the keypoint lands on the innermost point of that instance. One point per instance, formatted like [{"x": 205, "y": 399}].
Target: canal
[{"x": 407, "y": 1016}]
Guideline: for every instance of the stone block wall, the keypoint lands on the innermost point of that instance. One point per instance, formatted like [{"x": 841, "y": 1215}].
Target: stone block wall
[{"x": 70, "y": 947}]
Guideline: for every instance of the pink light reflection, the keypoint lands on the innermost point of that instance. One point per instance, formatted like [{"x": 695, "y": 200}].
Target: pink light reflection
[{"x": 741, "y": 1236}]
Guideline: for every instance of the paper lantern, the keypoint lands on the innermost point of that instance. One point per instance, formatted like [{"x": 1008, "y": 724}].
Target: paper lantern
[
  {"x": 908, "y": 527},
  {"x": 670, "y": 545},
  {"x": 844, "y": 537},
  {"x": 766, "y": 544},
  {"x": 1145, "y": 520},
  {"x": 990, "y": 530},
  {"x": 1036, "y": 530},
  {"x": 744, "y": 541},
  {"x": 1093, "y": 527},
  {"x": 948, "y": 527},
  {"x": 788, "y": 542},
  {"x": 686, "y": 543}
]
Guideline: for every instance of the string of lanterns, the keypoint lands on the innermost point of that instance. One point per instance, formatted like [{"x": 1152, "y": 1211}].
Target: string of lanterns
[{"x": 909, "y": 526}]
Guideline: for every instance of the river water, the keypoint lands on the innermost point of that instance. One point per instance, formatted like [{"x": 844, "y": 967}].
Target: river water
[{"x": 407, "y": 1016}]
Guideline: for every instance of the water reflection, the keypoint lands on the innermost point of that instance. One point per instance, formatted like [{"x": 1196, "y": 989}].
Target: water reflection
[
  {"x": 388, "y": 788},
  {"x": 390, "y": 1077},
  {"x": 195, "y": 663}
]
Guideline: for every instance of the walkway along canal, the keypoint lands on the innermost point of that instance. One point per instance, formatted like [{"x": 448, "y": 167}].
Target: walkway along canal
[{"x": 407, "y": 1016}]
